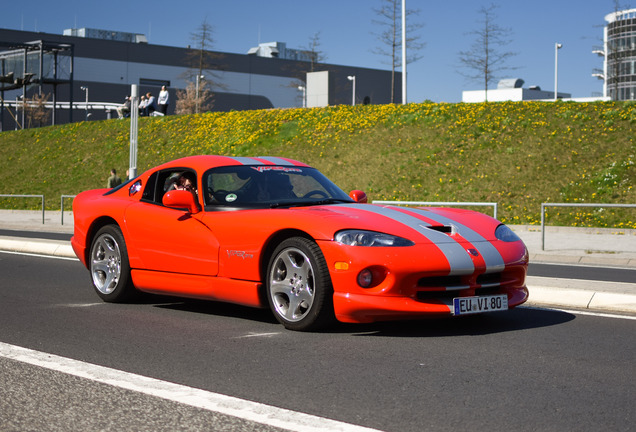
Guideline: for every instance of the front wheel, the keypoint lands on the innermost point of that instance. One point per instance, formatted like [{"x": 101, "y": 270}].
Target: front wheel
[
  {"x": 109, "y": 267},
  {"x": 299, "y": 287}
]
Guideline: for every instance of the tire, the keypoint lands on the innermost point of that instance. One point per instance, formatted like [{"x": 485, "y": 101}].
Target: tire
[
  {"x": 299, "y": 289},
  {"x": 109, "y": 267}
]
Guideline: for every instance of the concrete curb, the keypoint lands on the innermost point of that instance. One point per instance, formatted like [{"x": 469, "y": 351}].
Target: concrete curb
[
  {"x": 35, "y": 246},
  {"x": 589, "y": 260},
  {"x": 579, "y": 294}
]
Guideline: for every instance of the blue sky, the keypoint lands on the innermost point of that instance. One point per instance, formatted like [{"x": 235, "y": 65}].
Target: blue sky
[{"x": 348, "y": 34}]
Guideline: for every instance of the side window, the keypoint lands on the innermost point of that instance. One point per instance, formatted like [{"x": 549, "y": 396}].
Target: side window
[
  {"x": 161, "y": 182},
  {"x": 149, "y": 190}
]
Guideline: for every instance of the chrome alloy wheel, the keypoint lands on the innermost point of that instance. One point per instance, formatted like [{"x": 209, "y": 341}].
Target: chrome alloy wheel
[
  {"x": 291, "y": 284},
  {"x": 105, "y": 263}
]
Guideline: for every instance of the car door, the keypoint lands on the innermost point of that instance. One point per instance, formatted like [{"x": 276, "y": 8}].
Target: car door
[{"x": 167, "y": 239}]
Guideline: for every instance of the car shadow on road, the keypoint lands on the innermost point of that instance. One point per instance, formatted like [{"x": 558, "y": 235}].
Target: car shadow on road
[
  {"x": 523, "y": 318},
  {"x": 210, "y": 307}
]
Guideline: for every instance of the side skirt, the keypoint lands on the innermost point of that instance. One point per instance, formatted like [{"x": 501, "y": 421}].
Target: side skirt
[{"x": 241, "y": 292}]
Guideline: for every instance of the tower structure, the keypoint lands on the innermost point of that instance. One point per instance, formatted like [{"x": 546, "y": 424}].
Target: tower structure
[{"x": 619, "y": 52}]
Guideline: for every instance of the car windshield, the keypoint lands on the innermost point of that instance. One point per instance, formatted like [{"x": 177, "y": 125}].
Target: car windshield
[{"x": 268, "y": 186}]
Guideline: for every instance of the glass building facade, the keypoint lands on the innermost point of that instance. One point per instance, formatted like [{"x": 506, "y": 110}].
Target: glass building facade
[{"x": 620, "y": 55}]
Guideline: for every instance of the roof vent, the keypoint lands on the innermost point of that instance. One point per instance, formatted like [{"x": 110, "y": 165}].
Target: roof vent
[{"x": 510, "y": 83}]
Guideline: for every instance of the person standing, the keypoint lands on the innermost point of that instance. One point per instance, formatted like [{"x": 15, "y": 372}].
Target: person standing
[
  {"x": 163, "y": 100},
  {"x": 114, "y": 179}
]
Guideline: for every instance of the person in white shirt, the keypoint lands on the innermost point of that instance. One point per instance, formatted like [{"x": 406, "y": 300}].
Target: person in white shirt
[{"x": 163, "y": 100}]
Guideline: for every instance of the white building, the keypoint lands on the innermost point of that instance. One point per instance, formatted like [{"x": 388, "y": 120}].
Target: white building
[{"x": 511, "y": 89}]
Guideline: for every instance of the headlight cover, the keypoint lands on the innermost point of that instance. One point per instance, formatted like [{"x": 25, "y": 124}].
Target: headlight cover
[
  {"x": 352, "y": 237},
  {"x": 504, "y": 233}
]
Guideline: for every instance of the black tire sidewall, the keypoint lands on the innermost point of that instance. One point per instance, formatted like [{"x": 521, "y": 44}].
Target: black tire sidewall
[
  {"x": 124, "y": 291},
  {"x": 321, "y": 313}
]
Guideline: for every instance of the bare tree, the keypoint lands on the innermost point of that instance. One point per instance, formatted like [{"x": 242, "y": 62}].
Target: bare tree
[
  {"x": 486, "y": 58},
  {"x": 390, "y": 19},
  {"x": 299, "y": 69},
  {"x": 189, "y": 101},
  {"x": 202, "y": 63},
  {"x": 316, "y": 56},
  {"x": 35, "y": 109}
]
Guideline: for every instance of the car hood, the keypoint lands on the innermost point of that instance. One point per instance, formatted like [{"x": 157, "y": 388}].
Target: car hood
[{"x": 421, "y": 225}]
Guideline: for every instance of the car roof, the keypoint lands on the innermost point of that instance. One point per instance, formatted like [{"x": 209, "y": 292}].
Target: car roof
[{"x": 205, "y": 162}]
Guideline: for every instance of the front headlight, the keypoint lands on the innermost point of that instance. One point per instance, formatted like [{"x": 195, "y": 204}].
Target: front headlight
[
  {"x": 504, "y": 233},
  {"x": 370, "y": 238}
]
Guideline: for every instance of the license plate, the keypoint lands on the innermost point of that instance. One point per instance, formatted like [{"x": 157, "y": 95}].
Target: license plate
[{"x": 473, "y": 305}]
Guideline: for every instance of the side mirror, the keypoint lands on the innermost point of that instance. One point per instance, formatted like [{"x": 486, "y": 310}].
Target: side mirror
[
  {"x": 181, "y": 199},
  {"x": 358, "y": 196}
]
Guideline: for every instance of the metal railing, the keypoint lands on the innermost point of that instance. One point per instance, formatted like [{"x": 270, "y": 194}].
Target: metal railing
[
  {"x": 62, "y": 206},
  {"x": 545, "y": 205},
  {"x": 27, "y": 196},
  {"x": 442, "y": 203}
]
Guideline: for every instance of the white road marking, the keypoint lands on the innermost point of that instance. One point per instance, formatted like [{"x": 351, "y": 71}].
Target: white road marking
[
  {"x": 582, "y": 312},
  {"x": 244, "y": 409},
  {"x": 250, "y": 335}
]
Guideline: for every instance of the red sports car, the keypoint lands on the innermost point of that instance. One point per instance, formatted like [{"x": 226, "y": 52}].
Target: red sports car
[{"x": 269, "y": 231}]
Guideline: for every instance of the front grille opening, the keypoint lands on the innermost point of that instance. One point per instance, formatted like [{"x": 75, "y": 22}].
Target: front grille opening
[
  {"x": 439, "y": 287},
  {"x": 442, "y": 282},
  {"x": 489, "y": 279}
]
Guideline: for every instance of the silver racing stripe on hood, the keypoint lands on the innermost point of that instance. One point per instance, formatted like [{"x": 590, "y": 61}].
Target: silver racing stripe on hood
[
  {"x": 458, "y": 259},
  {"x": 492, "y": 257}
]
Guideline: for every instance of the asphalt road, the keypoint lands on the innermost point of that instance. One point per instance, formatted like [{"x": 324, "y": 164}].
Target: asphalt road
[{"x": 526, "y": 369}]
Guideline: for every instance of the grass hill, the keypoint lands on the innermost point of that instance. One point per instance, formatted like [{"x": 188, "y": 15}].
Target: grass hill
[{"x": 518, "y": 154}]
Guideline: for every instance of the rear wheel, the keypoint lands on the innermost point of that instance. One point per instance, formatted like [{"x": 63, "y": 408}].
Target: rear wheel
[
  {"x": 299, "y": 288},
  {"x": 109, "y": 267}
]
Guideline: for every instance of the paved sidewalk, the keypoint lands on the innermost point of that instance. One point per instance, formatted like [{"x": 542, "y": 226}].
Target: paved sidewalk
[{"x": 561, "y": 245}]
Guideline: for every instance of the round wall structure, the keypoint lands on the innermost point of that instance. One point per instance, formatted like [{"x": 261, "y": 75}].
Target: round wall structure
[{"x": 620, "y": 55}]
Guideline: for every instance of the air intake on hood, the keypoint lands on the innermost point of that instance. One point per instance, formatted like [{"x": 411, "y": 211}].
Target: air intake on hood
[{"x": 447, "y": 229}]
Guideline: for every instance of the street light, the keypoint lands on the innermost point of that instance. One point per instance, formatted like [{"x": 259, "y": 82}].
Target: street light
[
  {"x": 557, "y": 47},
  {"x": 86, "y": 103},
  {"x": 353, "y": 98},
  {"x": 198, "y": 81},
  {"x": 403, "y": 52},
  {"x": 304, "y": 90}
]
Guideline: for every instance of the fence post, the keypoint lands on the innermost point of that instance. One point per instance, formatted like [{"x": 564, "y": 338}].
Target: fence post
[{"x": 542, "y": 226}]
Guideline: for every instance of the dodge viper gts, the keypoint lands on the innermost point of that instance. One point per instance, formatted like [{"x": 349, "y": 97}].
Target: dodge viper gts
[{"x": 274, "y": 232}]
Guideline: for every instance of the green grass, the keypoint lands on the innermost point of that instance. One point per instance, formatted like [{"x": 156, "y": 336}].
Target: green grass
[{"x": 517, "y": 154}]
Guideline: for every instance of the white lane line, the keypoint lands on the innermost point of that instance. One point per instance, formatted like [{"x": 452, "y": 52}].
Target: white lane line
[
  {"x": 251, "y": 334},
  {"x": 244, "y": 409},
  {"x": 582, "y": 312}
]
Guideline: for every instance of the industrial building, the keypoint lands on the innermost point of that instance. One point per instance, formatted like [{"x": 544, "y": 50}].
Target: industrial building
[{"x": 84, "y": 74}]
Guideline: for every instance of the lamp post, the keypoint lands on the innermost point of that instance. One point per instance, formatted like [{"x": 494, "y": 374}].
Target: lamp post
[
  {"x": 353, "y": 98},
  {"x": 134, "y": 129},
  {"x": 17, "y": 106},
  {"x": 86, "y": 103},
  {"x": 198, "y": 81},
  {"x": 557, "y": 47},
  {"x": 403, "y": 52},
  {"x": 304, "y": 90}
]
